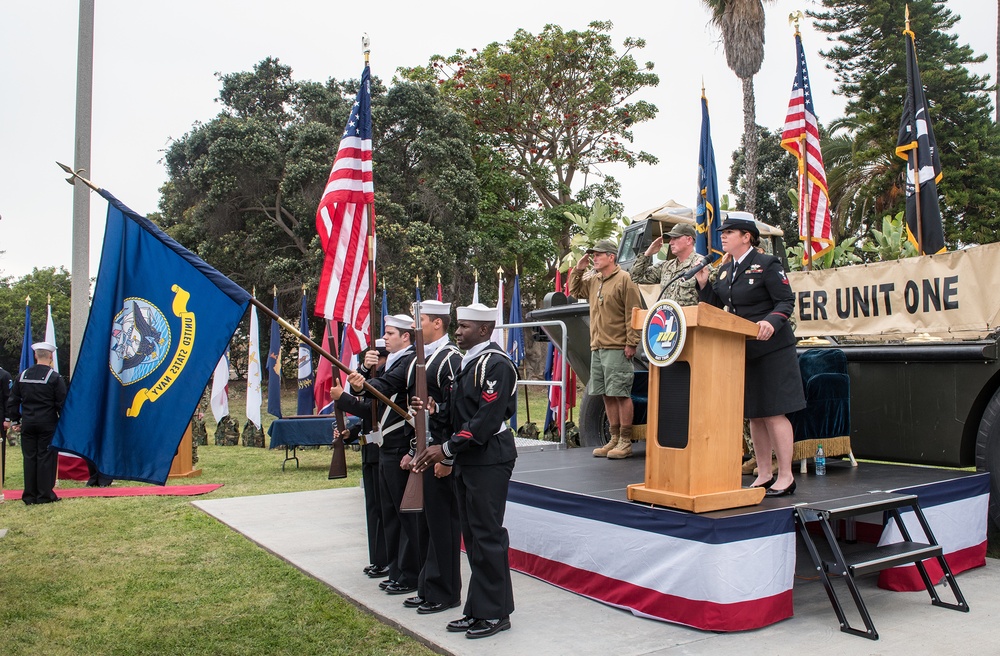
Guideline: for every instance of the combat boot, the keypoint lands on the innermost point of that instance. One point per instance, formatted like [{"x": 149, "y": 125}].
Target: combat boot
[
  {"x": 624, "y": 448},
  {"x": 602, "y": 452}
]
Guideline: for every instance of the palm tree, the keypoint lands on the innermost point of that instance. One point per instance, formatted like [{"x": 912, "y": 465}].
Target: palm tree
[{"x": 742, "y": 25}]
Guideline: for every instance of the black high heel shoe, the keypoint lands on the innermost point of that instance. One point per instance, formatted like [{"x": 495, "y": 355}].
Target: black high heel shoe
[
  {"x": 766, "y": 484},
  {"x": 774, "y": 492}
]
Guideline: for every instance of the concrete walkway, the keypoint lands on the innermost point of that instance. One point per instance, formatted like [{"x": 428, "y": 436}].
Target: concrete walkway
[{"x": 323, "y": 534}]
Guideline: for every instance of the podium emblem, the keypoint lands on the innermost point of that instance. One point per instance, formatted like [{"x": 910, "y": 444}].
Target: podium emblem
[{"x": 663, "y": 333}]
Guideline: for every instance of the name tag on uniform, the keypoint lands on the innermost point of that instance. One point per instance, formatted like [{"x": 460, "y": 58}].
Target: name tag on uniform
[{"x": 374, "y": 437}]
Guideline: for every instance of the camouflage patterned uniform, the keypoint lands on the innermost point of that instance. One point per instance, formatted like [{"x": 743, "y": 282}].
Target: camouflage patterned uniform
[
  {"x": 228, "y": 432},
  {"x": 685, "y": 292},
  {"x": 252, "y": 436}
]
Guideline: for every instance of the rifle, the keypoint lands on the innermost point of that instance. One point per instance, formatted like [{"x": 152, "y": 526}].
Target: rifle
[
  {"x": 413, "y": 495},
  {"x": 338, "y": 463}
]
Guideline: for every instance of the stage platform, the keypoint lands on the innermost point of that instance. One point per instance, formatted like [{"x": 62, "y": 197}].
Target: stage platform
[{"x": 571, "y": 525}]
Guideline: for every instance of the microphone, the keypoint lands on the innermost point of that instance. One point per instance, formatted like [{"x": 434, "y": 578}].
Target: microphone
[
  {"x": 687, "y": 275},
  {"x": 705, "y": 261}
]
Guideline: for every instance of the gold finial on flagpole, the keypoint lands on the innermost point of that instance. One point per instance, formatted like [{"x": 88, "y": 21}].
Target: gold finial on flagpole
[
  {"x": 50, "y": 299},
  {"x": 794, "y": 18},
  {"x": 416, "y": 281},
  {"x": 439, "y": 277},
  {"x": 702, "y": 86},
  {"x": 253, "y": 291},
  {"x": 274, "y": 290},
  {"x": 27, "y": 299},
  {"x": 303, "y": 289},
  {"x": 908, "y": 17},
  {"x": 75, "y": 175},
  {"x": 500, "y": 273},
  {"x": 366, "y": 46},
  {"x": 475, "y": 274},
  {"x": 515, "y": 267}
]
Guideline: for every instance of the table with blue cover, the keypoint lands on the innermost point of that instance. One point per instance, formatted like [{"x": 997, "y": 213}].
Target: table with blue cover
[{"x": 313, "y": 430}]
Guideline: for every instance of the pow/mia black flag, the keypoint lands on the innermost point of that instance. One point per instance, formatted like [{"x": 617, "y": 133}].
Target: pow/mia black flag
[{"x": 917, "y": 146}]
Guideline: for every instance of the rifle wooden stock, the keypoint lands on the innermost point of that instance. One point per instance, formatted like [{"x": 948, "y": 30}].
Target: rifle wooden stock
[
  {"x": 338, "y": 462},
  {"x": 413, "y": 495}
]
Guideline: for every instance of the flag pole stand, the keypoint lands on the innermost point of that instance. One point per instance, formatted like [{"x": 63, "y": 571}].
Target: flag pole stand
[{"x": 183, "y": 463}]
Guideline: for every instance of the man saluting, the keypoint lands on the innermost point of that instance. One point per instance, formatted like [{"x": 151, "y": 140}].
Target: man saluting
[{"x": 482, "y": 445}]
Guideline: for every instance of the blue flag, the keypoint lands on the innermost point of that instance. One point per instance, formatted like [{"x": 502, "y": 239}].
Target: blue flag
[
  {"x": 549, "y": 361},
  {"x": 515, "y": 336},
  {"x": 160, "y": 320},
  {"x": 306, "y": 400},
  {"x": 27, "y": 355},
  {"x": 708, "y": 216},
  {"x": 274, "y": 367}
]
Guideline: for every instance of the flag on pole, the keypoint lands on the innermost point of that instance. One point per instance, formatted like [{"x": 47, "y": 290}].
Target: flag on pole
[
  {"x": 708, "y": 218},
  {"x": 385, "y": 312},
  {"x": 159, "y": 322},
  {"x": 553, "y": 372},
  {"x": 497, "y": 335},
  {"x": 475, "y": 291},
  {"x": 255, "y": 398},
  {"x": 344, "y": 224},
  {"x": 515, "y": 336},
  {"x": 800, "y": 137},
  {"x": 274, "y": 366},
  {"x": 50, "y": 336},
  {"x": 27, "y": 355},
  {"x": 324, "y": 371},
  {"x": 916, "y": 144},
  {"x": 220, "y": 389},
  {"x": 305, "y": 402}
]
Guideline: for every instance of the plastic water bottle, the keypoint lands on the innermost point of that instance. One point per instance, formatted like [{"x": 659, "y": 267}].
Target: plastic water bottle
[{"x": 820, "y": 461}]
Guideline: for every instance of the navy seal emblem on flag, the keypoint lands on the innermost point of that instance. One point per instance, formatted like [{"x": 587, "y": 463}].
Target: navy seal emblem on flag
[
  {"x": 140, "y": 341},
  {"x": 663, "y": 333}
]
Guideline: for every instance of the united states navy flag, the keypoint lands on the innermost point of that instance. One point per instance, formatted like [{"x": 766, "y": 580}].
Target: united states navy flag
[
  {"x": 160, "y": 320},
  {"x": 707, "y": 217}
]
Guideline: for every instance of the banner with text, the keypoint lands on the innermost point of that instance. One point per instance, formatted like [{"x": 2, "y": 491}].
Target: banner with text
[{"x": 946, "y": 293}]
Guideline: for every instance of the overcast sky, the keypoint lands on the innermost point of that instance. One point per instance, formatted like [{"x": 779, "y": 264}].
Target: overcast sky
[{"x": 155, "y": 65}]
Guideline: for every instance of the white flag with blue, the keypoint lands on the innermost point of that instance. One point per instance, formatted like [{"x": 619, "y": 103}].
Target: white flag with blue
[{"x": 160, "y": 320}]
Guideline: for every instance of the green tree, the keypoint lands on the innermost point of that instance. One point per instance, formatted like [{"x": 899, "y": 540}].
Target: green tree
[
  {"x": 39, "y": 285},
  {"x": 742, "y": 25},
  {"x": 777, "y": 173},
  {"x": 554, "y": 106},
  {"x": 869, "y": 61}
]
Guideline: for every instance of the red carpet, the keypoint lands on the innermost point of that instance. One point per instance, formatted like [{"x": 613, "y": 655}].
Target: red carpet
[{"x": 148, "y": 490}]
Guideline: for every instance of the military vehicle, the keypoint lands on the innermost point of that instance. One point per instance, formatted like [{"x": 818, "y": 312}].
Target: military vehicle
[{"x": 925, "y": 390}]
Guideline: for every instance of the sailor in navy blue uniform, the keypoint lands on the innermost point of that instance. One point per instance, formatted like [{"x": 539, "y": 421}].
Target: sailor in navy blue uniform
[
  {"x": 362, "y": 408},
  {"x": 483, "y": 399},
  {"x": 400, "y": 528},
  {"x": 36, "y": 401},
  {"x": 753, "y": 285},
  {"x": 440, "y": 586}
]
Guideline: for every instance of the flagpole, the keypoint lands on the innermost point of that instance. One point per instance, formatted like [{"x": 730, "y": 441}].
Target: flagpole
[
  {"x": 326, "y": 354},
  {"x": 915, "y": 152}
]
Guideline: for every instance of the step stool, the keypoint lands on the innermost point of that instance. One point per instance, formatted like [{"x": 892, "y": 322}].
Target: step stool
[{"x": 874, "y": 559}]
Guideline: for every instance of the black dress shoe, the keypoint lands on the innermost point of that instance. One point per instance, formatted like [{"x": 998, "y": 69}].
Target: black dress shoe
[
  {"x": 774, "y": 492},
  {"x": 486, "y": 628},
  {"x": 399, "y": 588},
  {"x": 462, "y": 625},
  {"x": 414, "y": 602},
  {"x": 430, "y": 607},
  {"x": 385, "y": 584},
  {"x": 766, "y": 484},
  {"x": 368, "y": 569},
  {"x": 378, "y": 572}
]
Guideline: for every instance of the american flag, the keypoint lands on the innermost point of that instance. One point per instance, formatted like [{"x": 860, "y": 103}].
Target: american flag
[
  {"x": 801, "y": 127},
  {"x": 345, "y": 226}
]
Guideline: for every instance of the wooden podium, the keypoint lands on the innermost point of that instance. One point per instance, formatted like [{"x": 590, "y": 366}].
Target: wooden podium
[
  {"x": 694, "y": 417},
  {"x": 183, "y": 465}
]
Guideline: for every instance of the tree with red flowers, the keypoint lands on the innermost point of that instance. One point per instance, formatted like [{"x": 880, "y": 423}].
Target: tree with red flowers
[{"x": 554, "y": 106}]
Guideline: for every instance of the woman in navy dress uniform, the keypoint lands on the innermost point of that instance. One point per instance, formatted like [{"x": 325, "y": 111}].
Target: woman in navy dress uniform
[{"x": 752, "y": 285}]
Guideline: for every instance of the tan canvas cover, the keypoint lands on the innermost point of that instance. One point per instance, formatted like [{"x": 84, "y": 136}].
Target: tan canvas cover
[{"x": 953, "y": 293}]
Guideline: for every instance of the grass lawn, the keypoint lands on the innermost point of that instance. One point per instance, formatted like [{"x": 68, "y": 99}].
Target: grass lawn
[{"x": 154, "y": 575}]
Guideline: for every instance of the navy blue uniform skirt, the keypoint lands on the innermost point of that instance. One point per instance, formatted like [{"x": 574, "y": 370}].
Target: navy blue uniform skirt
[{"x": 773, "y": 384}]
